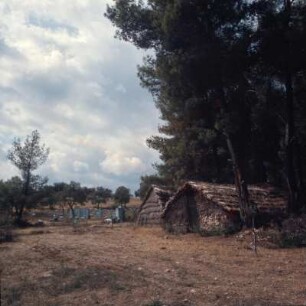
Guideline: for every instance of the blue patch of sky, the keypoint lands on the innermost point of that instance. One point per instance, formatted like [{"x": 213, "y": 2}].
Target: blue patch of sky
[
  {"x": 51, "y": 24},
  {"x": 8, "y": 51}
]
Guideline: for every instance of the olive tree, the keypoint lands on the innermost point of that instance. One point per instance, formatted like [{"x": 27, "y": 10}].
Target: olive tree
[
  {"x": 122, "y": 195},
  {"x": 27, "y": 157}
]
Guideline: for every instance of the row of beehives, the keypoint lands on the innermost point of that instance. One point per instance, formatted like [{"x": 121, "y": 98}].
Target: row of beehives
[{"x": 85, "y": 213}]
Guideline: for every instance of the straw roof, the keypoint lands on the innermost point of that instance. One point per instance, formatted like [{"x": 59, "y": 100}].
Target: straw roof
[
  {"x": 267, "y": 198},
  {"x": 151, "y": 208},
  {"x": 162, "y": 193}
]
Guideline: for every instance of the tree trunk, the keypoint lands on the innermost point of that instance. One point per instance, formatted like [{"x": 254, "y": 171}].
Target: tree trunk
[
  {"x": 241, "y": 185},
  {"x": 72, "y": 210},
  {"x": 239, "y": 175},
  {"x": 300, "y": 176},
  {"x": 19, "y": 211},
  {"x": 217, "y": 162},
  {"x": 290, "y": 138},
  {"x": 26, "y": 187}
]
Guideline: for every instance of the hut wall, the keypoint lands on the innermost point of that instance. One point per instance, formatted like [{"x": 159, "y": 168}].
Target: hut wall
[
  {"x": 176, "y": 218},
  {"x": 193, "y": 212},
  {"x": 151, "y": 211},
  {"x": 215, "y": 220}
]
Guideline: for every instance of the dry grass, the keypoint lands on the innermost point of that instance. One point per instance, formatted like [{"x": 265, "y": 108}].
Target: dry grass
[
  {"x": 134, "y": 202},
  {"x": 126, "y": 265}
]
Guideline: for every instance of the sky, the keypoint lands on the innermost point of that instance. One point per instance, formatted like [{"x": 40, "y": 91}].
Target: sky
[{"x": 64, "y": 74}]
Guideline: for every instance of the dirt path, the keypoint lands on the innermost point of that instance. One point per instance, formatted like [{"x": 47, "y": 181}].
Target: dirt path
[{"x": 99, "y": 265}]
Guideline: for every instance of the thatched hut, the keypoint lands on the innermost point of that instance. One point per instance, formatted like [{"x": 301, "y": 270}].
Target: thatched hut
[
  {"x": 214, "y": 208},
  {"x": 151, "y": 208}
]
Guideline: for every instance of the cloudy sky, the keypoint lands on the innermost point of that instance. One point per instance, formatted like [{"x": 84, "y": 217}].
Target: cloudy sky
[{"x": 64, "y": 74}]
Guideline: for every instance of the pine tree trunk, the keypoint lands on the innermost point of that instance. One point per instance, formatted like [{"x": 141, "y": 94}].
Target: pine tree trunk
[
  {"x": 290, "y": 144},
  {"x": 217, "y": 162},
  {"x": 300, "y": 176},
  {"x": 238, "y": 169},
  {"x": 290, "y": 139},
  {"x": 241, "y": 185}
]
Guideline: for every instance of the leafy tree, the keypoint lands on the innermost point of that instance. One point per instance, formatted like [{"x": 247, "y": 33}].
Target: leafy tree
[
  {"x": 70, "y": 195},
  {"x": 99, "y": 195},
  {"x": 27, "y": 157},
  {"x": 10, "y": 193},
  {"x": 4, "y": 204},
  {"x": 122, "y": 195},
  {"x": 49, "y": 198},
  {"x": 14, "y": 195}
]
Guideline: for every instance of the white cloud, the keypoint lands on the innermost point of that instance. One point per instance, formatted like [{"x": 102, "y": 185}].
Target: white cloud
[
  {"x": 121, "y": 88},
  {"x": 63, "y": 73},
  {"x": 118, "y": 164},
  {"x": 79, "y": 166}
]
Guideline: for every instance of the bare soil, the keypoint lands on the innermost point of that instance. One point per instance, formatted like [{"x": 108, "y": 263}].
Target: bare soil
[{"x": 95, "y": 264}]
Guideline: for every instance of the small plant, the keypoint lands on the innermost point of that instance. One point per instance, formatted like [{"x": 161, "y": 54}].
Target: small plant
[
  {"x": 11, "y": 296},
  {"x": 292, "y": 240}
]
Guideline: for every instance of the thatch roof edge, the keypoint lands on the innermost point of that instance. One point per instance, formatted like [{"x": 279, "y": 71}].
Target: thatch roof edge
[
  {"x": 264, "y": 190},
  {"x": 152, "y": 188}
]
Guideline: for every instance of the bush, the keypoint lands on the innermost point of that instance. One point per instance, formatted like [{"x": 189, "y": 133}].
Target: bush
[
  {"x": 6, "y": 236},
  {"x": 293, "y": 233}
]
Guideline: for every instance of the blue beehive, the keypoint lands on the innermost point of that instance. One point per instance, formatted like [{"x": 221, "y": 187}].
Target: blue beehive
[
  {"x": 80, "y": 213},
  {"x": 119, "y": 214}
]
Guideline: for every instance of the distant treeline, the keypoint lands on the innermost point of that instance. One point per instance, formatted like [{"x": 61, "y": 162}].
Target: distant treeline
[{"x": 63, "y": 195}]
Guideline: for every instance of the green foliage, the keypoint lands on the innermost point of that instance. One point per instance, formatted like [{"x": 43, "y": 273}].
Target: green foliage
[
  {"x": 69, "y": 195},
  {"x": 122, "y": 195},
  {"x": 293, "y": 232},
  {"x": 12, "y": 192},
  {"x": 27, "y": 157},
  {"x": 99, "y": 195},
  {"x": 184, "y": 77},
  {"x": 281, "y": 54},
  {"x": 292, "y": 241},
  {"x": 229, "y": 80}
]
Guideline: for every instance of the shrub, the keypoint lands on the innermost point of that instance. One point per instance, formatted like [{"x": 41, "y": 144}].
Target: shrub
[
  {"x": 293, "y": 233},
  {"x": 6, "y": 236}
]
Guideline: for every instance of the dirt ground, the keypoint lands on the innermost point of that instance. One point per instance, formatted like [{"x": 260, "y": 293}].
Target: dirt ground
[{"x": 95, "y": 264}]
